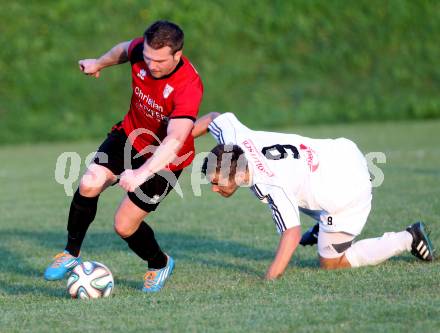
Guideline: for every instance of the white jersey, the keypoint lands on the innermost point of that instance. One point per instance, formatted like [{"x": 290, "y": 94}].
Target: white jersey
[{"x": 322, "y": 177}]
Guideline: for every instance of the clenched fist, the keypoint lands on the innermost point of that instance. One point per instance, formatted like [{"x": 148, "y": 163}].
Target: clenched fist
[{"x": 90, "y": 67}]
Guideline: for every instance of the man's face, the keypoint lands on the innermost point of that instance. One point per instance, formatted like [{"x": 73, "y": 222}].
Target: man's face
[
  {"x": 222, "y": 185},
  {"x": 160, "y": 62}
]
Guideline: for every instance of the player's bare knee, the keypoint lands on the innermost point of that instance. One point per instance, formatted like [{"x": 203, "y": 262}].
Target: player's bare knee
[
  {"x": 333, "y": 263},
  {"x": 122, "y": 225},
  {"x": 329, "y": 266},
  {"x": 95, "y": 180},
  {"x": 325, "y": 263},
  {"x": 87, "y": 189},
  {"x": 121, "y": 228}
]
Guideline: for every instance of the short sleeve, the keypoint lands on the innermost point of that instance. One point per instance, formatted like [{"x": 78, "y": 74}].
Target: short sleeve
[
  {"x": 224, "y": 128},
  {"x": 135, "y": 46},
  {"x": 285, "y": 212},
  {"x": 187, "y": 100}
]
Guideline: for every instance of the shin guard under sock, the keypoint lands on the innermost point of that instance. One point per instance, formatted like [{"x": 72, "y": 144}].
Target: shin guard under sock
[
  {"x": 82, "y": 213},
  {"x": 373, "y": 251},
  {"x": 144, "y": 244}
]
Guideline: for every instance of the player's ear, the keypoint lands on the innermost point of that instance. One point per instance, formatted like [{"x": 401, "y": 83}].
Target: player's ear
[
  {"x": 240, "y": 178},
  {"x": 178, "y": 55}
]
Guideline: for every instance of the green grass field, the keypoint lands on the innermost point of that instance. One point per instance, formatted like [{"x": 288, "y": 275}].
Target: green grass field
[{"x": 222, "y": 248}]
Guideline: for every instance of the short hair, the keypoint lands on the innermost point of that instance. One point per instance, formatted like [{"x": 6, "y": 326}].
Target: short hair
[
  {"x": 225, "y": 159},
  {"x": 164, "y": 33}
]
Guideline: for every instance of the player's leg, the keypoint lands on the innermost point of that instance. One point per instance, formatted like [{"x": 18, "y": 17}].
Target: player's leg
[
  {"x": 373, "y": 251},
  {"x": 108, "y": 162},
  {"x": 351, "y": 218},
  {"x": 129, "y": 225},
  {"x": 336, "y": 250},
  {"x": 331, "y": 249},
  {"x": 84, "y": 205},
  {"x": 310, "y": 237},
  {"x": 338, "y": 230},
  {"x": 139, "y": 235},
  {"x": 81, "y": 214}
]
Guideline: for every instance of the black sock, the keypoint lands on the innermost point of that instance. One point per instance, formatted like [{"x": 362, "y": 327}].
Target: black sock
[
  {"x": 144, "y": 244},
  {"x": 82, "y": 213}
]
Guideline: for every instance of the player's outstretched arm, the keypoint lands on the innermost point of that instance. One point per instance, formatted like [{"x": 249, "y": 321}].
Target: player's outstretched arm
[
  {"x": 201, "y": 125},
  {"x": 177, "y": 132},
  {"x": 287, "y": 246},
  {"x": 118, "y": 54}
]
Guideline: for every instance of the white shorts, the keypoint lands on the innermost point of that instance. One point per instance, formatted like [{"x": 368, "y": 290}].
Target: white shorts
[
  {"x": 333, "y": 244},
  {"x": 343, "y": 189},
  {"x": 350, "y": 219}
]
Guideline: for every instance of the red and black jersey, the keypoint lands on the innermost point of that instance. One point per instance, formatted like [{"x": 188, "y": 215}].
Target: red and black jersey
[{"x": 155, "y": 101}]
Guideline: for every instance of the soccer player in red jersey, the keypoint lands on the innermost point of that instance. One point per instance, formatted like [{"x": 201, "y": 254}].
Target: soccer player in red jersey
[{"x": 147, "y": 150}]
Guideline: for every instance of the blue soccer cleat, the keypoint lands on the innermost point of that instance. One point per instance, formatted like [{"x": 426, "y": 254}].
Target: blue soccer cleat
[
  {"x": 63, "y": 263},
  {"x": 154, "y": 279}
]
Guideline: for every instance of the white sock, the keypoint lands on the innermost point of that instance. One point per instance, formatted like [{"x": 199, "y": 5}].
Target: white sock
[{"x": 373, "y": 251}]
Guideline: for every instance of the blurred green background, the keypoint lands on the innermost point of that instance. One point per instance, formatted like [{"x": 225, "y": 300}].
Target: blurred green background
[{"x": 274, "y": 63}]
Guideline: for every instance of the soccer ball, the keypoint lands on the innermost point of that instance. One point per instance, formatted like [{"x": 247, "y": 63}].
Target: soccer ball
[{"x": 90, "y": 279}]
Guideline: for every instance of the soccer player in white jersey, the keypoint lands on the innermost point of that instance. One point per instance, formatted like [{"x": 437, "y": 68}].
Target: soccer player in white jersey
[{"x": 324, "y": 178}]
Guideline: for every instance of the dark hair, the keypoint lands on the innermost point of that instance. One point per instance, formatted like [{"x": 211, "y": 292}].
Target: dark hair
[
  {"x": 225, "y": 159},
  {"x": 164, "y": 33}
]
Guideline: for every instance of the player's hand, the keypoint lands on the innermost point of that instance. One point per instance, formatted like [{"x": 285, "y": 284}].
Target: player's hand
[
  {"x": 131, "y": 179},
  {"x": 90, "y": 67}
]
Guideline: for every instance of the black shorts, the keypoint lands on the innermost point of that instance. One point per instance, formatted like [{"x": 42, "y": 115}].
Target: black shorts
[{"x": 111, "y": 155}]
